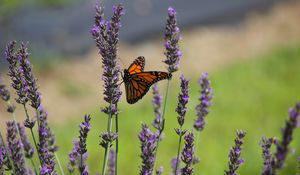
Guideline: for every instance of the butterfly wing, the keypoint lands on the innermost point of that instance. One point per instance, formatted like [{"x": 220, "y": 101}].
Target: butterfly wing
[
  {"x": 140, "y": 83},
  {"x": 137, "y": 66}
]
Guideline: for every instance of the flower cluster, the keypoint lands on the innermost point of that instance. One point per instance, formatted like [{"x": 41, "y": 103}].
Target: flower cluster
[
  {"x": 172, "y": 37},
  {"x": 15, "y": 149},
  {"x": 282, "y": 146},
  {"x": 111, "y": 164},
  {"x": 148, "y": 146},
  {"x": 156, "y": 102},
  {"x": 188, "y": 154},
  {"x": 79, "y": 153},
  {"x": 29, "y": 150},
  {"x": 32, "y": 89},
  {"x": 183, "y": 99},
  {"x": 205, "y": 102},
  {"x": 73, "y": 156},
  {"x": 266, "y": 144},
  {"x": 5, "y": 96},
  {"x": 5, "y": 162},
  {"x": 4, "y": 93},
  {"x": 15, "y": 72},
  {"x": 235, "y": 152},
  {"x": 105, "y": 34},
  {"x": 45, "y": 155},
  {"x": 174, "y": 162}
]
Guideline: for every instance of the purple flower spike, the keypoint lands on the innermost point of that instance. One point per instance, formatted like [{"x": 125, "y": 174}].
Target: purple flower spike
[
  {"x": 84, "y": 129},
  {"x": 188, "y": 154},
  {"x": 111, "y": 162},
  {"x": 159, "y": 171},
  {"x": 266, "y": 144},
  {"x": 29, "y": 150},
  {"x": 73, "y": 156},
  {"x": 79, "y": 155},
  {"x": 172, "y": 37},
  {"x": 173, "y": 166},
  {"x": 205, "y": 102},
  {"x": 4, "y": 159},
  {"x": 15, "y": 149},
  {"x": 282, "y": 146},
  {"x": 235, "y": 152},
  {"x": 15, "y": 72},
  {"x": 46, "y": 156},
  {"x": 105, "y": 34},
  {"x": 32, "y": 91},
  {"x": 148, "y": 141},
  {"x": 183, "y": 99},
  {"x": 5, "y": 96},
  {"x": 4, "y": 93},
  {"x": 156, "y": 102}
]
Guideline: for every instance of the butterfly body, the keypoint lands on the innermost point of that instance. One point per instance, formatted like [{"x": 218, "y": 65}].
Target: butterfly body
[{"x": 137, "y": 82}]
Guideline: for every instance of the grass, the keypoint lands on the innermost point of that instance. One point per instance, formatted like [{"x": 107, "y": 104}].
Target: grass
[{"x": 253, "y": 95}]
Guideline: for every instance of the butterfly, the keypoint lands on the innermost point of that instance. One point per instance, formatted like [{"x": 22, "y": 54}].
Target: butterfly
[{"x": 137, "y": 82}]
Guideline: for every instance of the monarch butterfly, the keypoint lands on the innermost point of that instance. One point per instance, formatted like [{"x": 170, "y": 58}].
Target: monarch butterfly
[{"x": 137, "y": 82}]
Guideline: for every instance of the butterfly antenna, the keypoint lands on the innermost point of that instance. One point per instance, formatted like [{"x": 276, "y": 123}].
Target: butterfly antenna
[
  {"x": 121, "y": 61},
  {"x": 122, "y": 78}
]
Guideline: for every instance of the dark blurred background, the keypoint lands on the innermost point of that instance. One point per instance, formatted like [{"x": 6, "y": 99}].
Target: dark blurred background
[{"x": 60, "y": 28}]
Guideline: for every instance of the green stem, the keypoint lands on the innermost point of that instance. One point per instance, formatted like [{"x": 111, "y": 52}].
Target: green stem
[
  {"x": 59, "y": 164},
  {"x": 32, "y": 134},
  {"x": 117, "y": 145},
  {"x": 109, "y": 125},
  {"x": 34, "y": 167},
  {"x": 197, "y": 141},
  {"x": 178, "y": 150},
  {"x": 162, "y": 120}
]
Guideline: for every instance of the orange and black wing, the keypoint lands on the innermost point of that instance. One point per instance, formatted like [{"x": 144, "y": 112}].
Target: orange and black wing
[
  {"x": 137, "y": 66},
  {"x": 140, "y": 83}
]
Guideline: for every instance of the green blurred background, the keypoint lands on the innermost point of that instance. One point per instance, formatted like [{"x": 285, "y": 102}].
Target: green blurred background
[{"x": 254, "y": 66}]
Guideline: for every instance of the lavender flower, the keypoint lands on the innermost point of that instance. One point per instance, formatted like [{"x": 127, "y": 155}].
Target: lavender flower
[
  {"x": 15, "y": 72},
  {"x": 266, "y": 144},
  {"x": 111, "y": 162},
  {"x": 282, "y": 148},
  {"x": 148, "y": 141},
  {"x": 183, "y": 99},
  {"x": 205, "y": 102},
  {"x": 107, "y": 138},
  {"x": 234, "y": 154},
  {"x": 45, "y": 155},
  {"x": 32, "y": 91},
  {"x": 172, "y": 37},
  {"x": 5, "y": 96},
  {"x": 4, "y": 155},
  {"x": 73, "y": 156},
  {"x": 15, "y": 148},
  {"x": 78, "y": 155},
  {"x": 22, "y": 78},
  {"x": 105, "y": 34},
  {"x": 84, "y": 129},
  {"x": 173, "y": 166},
  {"x": 188, "y": 154},
  {"x": 156, "y": 102},
  {"x": 4, "y": 93},
  {"x": 29, "y": 150},
  {"x": 159, "y": 171}
]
